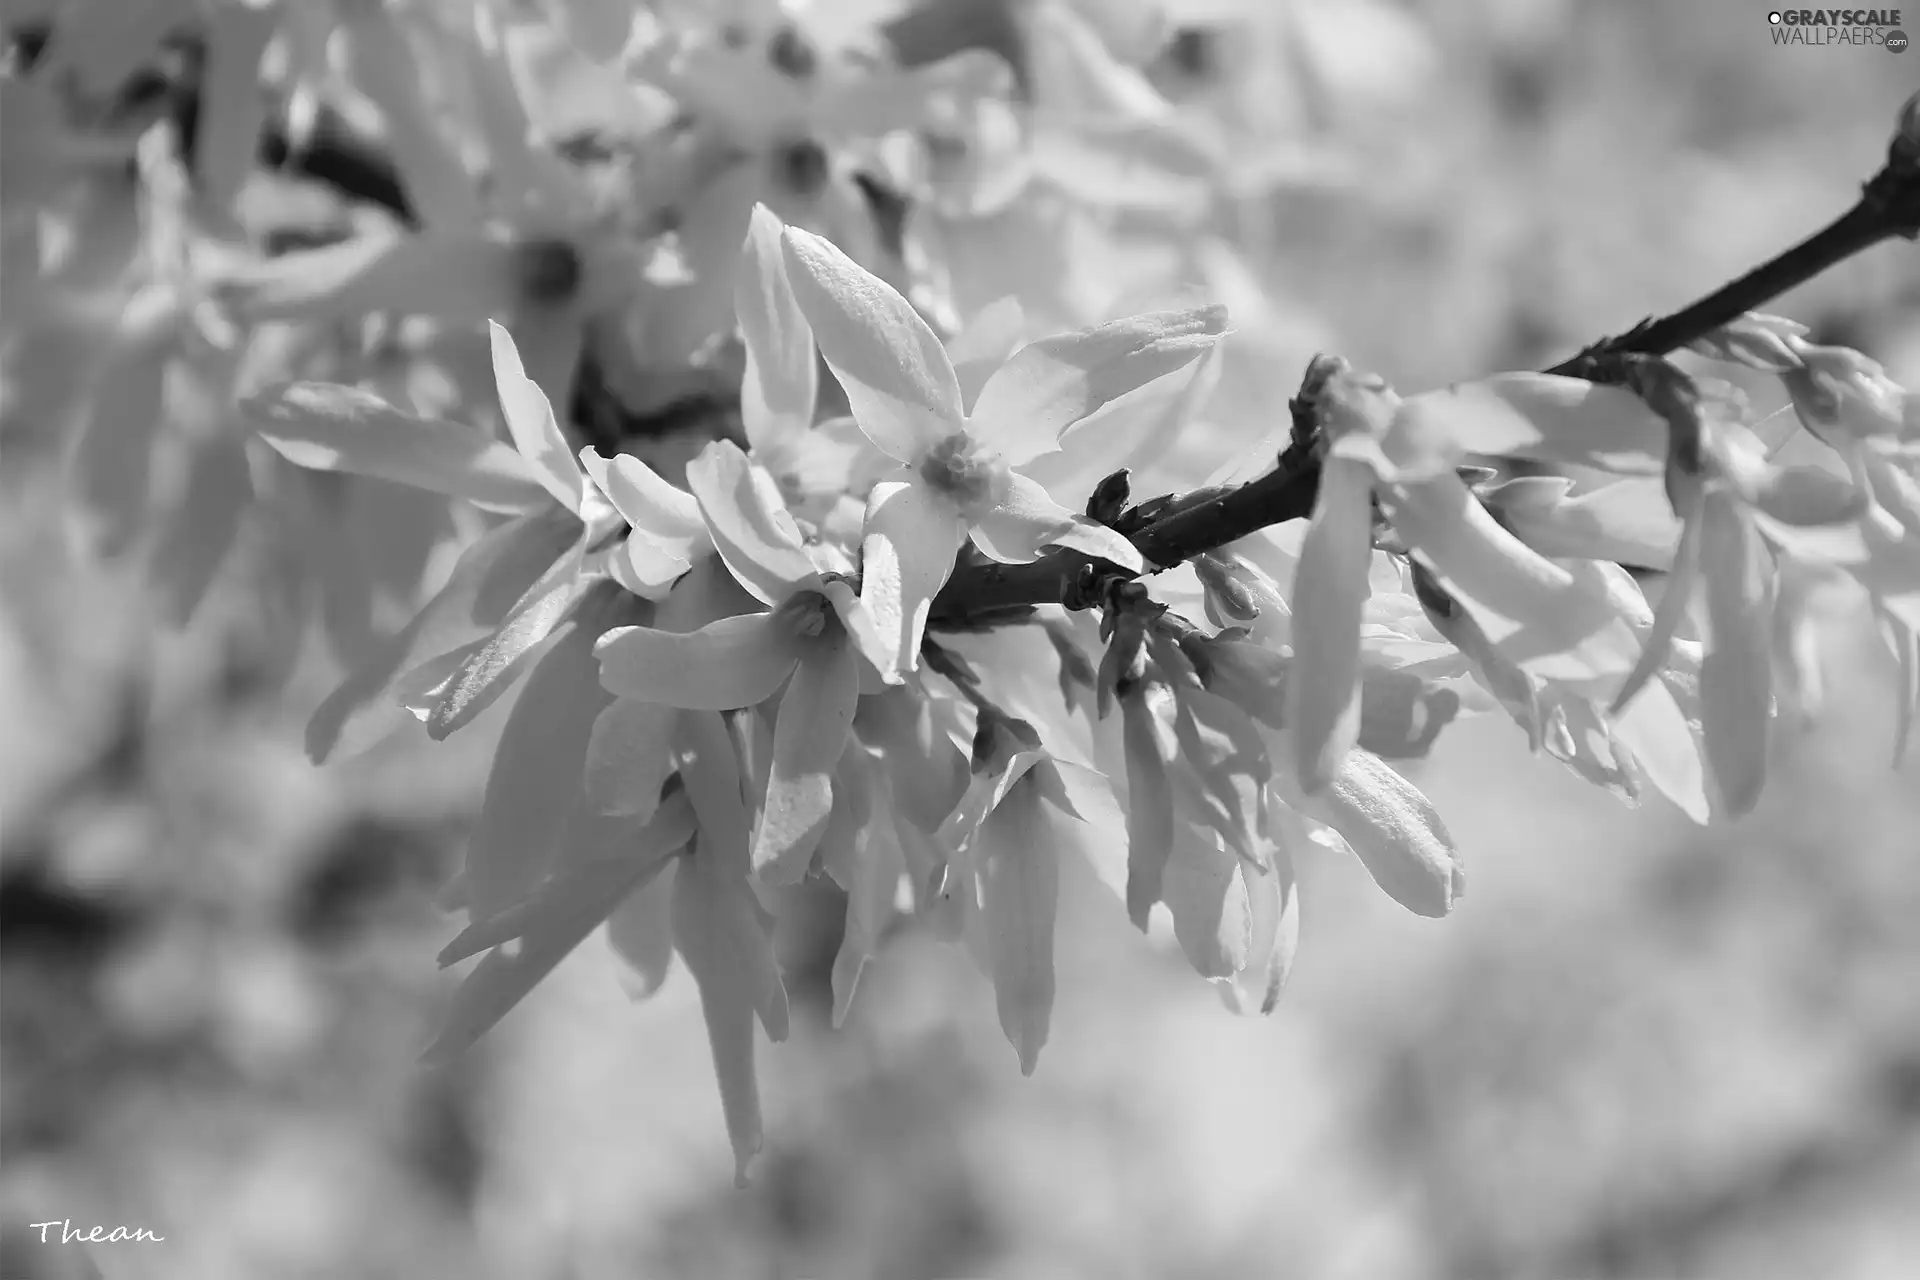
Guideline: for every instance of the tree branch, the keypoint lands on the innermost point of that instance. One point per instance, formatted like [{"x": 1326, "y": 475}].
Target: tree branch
[{"x": 981, "y": 592}]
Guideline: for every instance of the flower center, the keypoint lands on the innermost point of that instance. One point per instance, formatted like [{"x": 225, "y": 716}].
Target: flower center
[
  {"x": 967, "y": 472},
  {"x": 806, "y": 615},
  {"x": 800, "y": 166}
]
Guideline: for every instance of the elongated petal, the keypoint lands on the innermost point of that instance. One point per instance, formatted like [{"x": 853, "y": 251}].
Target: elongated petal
[
  {"x": 537, "y": 769},
  {"x": 530, "y": 421},
  {"x": 749, "y": 523},
  {"x": 1655, "y": 730},
  {"x": 872, "y": 880},
  {"x": 782, "y": 378},
  {"x": 629, "y": 757},
  {"x": 1020, "y": 885},
  {"x": 462, "y": 278},
  {"x": 232, "y": 108},
  {"x": 1150, "y": 750},
  {"x": 382, "y": 65},
  {"x": 1736, "y": 679},
  {"x": 1051, "y": 384},
  {"x": 724, "y": 936},
  {"x": 1028, "y": 521},
  {"x": 808, "y": 736},
  {"x": 490, "y": 576},
  {"x": 112, "y": 462},
  {"x": 1330, "y": 590},
  {"x": 640, "y": 934},
  {"x": 1569, "y": 421},
  {"x": 928, "y": 774},
  {"x": 551, "y": 928},
  {"x": 896, "y": 374},
  {"x": 1274, "y": 903},
  {"x": 1629, "y": 522},
  {"x": 201, "y": 529},
  {"x": 1536, "y": 613},
  {"x": 1212, "y": 918},
  {"x": 669, "y": 515},
  {"x": 731, "y": 662},
  {"x": 912, "y": 536},
  {"x": 327, "y": 426},
  {"x": 1396, "y": 834},
  {"x": 494, "y": 667}
]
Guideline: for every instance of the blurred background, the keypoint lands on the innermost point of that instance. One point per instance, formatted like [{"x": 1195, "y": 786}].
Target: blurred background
[{"x": 1637, "y": 1050}]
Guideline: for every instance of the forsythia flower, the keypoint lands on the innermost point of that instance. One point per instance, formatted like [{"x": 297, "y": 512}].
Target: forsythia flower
[{"x": 958, "y": 472}]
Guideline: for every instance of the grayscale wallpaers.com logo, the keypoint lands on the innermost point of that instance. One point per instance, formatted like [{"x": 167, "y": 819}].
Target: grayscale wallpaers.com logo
[{"x": 1839, "y": 26}]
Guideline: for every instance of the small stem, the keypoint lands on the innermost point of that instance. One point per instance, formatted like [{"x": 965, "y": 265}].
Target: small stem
[{"x": 1889, "y": 206}]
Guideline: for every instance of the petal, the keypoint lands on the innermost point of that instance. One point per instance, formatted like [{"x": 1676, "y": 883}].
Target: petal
[
  {"x": 1395, "y": 833},
  {"x": 708, "y": 758},
  {"x": 808, "y": 737},
  {"x": 1020, "y": 885},
  {"x": 1629, "y": 521},
  {"x": 549, "y": 928},
  {"x": 749, "y": 523},
  {"x": 782, "y": 376},
  {"x": 1274, "y": 904},
  {"x": 1330, "y": 590},
  {"x": 725, "y": 938},
  {"x": 1736, "y": 678},
  {"x": 868, "y": 643},
  {"x": 1537, "y": 613},
  {"x": 232, "y": 108},
  {"x": 928, "y": 775},
  {"x": 731, "y": 662},
  {"x": 531, "y": 424},
  {"x": 456, "y": 277},
  {"x": 1543, "y": 416},
  {"x": 535, "y": 778},
  {"x": 326, "y": 426},
  {"x": 897, "y": 377},
  {"x": 668, "y": 514},
  {"x": 1204, "y": 890},
  {"x": 990, "y": 337},
  {"x": 1028, "y": 521},
  {"x": 1150, "y": 749},
  {"x": 640, "y": 934},
  {"x": 628, "y": 757},
  {"x": 912, "y": 535},
  {"x": 1049, "y": 385}
]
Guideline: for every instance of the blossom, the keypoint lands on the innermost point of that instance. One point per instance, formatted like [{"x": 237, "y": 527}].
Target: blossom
[
  {"x": 958, "y": 470},
  {"x": 808, "y": 639}
]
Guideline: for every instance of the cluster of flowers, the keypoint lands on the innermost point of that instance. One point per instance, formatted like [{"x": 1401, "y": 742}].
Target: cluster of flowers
[
  {"x": 730, "y": 685},
  {"x": 798, "y": 657}
]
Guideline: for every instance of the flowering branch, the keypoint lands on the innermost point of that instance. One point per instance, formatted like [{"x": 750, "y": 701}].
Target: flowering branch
[{"x": 1169, "y": 531}]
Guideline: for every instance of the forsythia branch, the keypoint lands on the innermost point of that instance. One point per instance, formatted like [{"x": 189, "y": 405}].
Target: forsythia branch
[{"x": 980, "y": 593}]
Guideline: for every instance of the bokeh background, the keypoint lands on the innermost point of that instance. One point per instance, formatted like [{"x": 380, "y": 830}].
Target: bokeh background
[{"x": 1637, "y": 1050}]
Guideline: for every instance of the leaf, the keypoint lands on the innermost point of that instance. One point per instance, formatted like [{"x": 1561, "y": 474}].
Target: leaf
[
  {"x": 549, "y": 926},
  {"x": 896, "y": 375},
  {"x": 1049, "y": 385},
  {"x": 490, "y": 576},
  {"x": 629, "y": 757},
  {"x": 326, "y": 426},
  {"x": 537, "y": 771},
  {"x": 723, "y": 935},
  {"x": 640, "y": 933},
  {"x": 531, "y": 424},
  {"x": 1020, "y": 884},
  {"x": 782, "y": 377}
]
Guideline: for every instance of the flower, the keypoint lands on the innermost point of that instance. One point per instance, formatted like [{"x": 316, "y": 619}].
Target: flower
[
  {"x": 807, "y": 639},
  {"x": 958, "y": 468}
]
